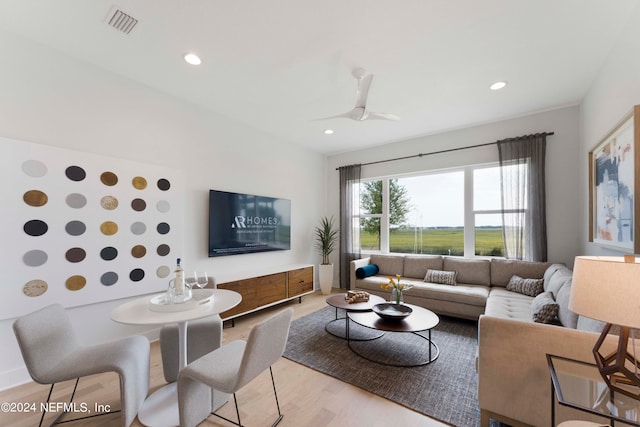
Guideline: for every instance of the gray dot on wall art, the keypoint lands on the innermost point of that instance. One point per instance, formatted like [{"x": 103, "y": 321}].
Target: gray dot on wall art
[
  {"x": 35, "y": 258},
  {"x": 138, "y": 228},
  {"x": 76, "y": 201},
  {"x": 109, "y": 253},
  {"x": 75, "y": 228},
  {"x": 163, "y": 206},
  {"x": 163, "y": 228},
  {"x": 109, "y": 278},
  {"x": 75, "y": 173},
  {"x": 35, "y": 227},
  {"x": 34, "y": 168},
  {"x": 163, "y": 250}
]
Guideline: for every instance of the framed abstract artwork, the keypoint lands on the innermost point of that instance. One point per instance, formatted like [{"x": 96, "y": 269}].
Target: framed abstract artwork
[{"x": 613, "y": 180}]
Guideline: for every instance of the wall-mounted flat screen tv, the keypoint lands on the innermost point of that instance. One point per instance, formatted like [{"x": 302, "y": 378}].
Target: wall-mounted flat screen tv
[{"x": 245, "y": 223}]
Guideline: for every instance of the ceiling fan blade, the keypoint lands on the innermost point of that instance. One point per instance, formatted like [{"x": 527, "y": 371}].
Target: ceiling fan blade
[
  {"x": 381, "y": 116},
  {"x": 363, "y": 90}
]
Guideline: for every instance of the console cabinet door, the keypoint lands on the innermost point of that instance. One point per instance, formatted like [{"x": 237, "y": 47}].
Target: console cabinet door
[
  {"x": 300, "y": 281},
  {"x": 256, "y": 292}
]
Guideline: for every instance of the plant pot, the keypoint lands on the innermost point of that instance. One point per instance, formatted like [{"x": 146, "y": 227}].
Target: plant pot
[{"x": 325, "y": 275}]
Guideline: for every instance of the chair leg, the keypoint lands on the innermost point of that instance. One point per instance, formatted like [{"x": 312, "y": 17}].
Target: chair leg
[
  {"x": 276, "y": 395},
  {"x": 64, "y": 412},
  {"x": 235, "y": 401}
]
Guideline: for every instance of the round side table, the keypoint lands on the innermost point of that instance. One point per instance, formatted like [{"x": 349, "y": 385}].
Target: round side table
[{"x": 338, "y": 301}]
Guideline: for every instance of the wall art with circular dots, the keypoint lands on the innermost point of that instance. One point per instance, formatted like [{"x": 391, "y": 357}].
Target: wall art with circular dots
[{"x": 84, "y": 228}]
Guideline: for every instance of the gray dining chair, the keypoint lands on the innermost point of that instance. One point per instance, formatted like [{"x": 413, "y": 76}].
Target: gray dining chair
[
  {"x": 52, "y": 354},
  {"x": 203, "y": 336},
  {"x": 230, "y": 368}
]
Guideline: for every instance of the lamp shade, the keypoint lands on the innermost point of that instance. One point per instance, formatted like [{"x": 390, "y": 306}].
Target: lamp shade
[{"x": 607, "y": 289}]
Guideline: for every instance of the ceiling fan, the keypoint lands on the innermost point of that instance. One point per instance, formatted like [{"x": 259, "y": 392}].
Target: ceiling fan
[{"x": 360, "y": 112}]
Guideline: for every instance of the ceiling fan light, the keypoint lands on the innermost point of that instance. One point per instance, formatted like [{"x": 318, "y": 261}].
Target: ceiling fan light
[
  {"x": 192, "y": 58},
  {"x": 498, "y": 85}
]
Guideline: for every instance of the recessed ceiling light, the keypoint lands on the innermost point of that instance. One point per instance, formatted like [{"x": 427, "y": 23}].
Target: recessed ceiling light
[
  {"x": 192, "y": 59},
  {"x": 328, "y": 131},
  {"x": 497, "y": 85}
]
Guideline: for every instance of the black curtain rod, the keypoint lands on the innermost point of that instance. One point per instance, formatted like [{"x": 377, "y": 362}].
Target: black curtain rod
[{"x": 437, "y": 152}]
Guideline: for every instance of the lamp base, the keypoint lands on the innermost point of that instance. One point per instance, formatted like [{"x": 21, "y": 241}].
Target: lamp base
[{"x": 618, "y": 368}]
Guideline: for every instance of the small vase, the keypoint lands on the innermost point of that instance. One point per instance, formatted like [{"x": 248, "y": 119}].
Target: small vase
[{"x": 396, "y": 297}]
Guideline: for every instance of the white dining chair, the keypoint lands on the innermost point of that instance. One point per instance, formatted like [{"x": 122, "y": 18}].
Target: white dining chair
[
  {"x": 230, "y": 368},
  {"x": 52, "y": 354},
  {"x": 203, "y": 336}
]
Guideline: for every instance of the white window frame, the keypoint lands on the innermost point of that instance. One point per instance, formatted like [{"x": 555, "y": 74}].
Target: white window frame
[{"x": 469, "y": 211}]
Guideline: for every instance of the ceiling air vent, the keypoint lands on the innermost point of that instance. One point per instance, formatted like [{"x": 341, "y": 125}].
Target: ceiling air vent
[{"x": 120, "y": 21}]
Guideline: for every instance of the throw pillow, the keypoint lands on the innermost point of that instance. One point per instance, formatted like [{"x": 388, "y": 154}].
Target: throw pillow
[
  {"x": 366, "y": 271},
  {"x": 530, "y": 287},
  {"x": 441, "y": 277},
  {"x": 544, "y": 309}
]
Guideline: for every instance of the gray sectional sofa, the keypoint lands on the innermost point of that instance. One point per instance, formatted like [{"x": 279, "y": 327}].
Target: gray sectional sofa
[
  {"x": 513, "y": 375},
  {"x": 476, "y": 279}
]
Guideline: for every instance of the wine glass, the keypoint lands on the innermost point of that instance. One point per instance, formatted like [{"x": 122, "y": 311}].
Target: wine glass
[
  {"x": 191, "y": 281},
  {"x": 202, "y": 279}
]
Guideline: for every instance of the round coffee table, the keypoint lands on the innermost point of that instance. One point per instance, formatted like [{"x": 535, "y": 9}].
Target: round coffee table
[
  {"x": 339, "y": 302},
  {"x": 419, "y": 320}
]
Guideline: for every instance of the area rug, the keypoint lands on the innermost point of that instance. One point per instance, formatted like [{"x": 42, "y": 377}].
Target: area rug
[{"x": 445, "y": 390}]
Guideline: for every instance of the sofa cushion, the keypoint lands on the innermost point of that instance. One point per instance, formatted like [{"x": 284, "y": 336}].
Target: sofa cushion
[
  {"x": 388, "y": 265},
  {"x": 544, "y": 309},
  {"x": 551, "y": 270},
  {"x": 503, "y": 269},
  {"x": 416, "y": 266},
  {"x": 366, "y": 271},
  {"x": 441, "y": 277},
  {"x": 530, "y": 287},
  {"x": 461, "y": 294},
  {"x": 509, "y": 305},
  {"x": 567, "y": 317},
  {"x": 470, "y": 271},
  {"x": 557, "y": 280}
]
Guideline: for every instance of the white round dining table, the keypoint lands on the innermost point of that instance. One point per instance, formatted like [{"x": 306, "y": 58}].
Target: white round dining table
[{"x": 160, "y": 409}]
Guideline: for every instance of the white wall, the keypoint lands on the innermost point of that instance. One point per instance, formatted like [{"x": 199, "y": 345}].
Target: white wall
[
  {"x": 614, "y": 92},
  {"x": 563, "y": 207},
  {"x": 52, "y": 99}
]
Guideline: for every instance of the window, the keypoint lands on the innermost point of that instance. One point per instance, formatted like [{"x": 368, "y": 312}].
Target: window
[
  {"x": 370, "y": 215},
  {"x": 487, "y": 216},
  {"x": 453, "y": 212}
]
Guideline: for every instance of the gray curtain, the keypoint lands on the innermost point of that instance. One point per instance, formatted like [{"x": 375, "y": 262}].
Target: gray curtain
[
  {"x": 522, "y": 182},
  {"x": 349, "y": 220}
]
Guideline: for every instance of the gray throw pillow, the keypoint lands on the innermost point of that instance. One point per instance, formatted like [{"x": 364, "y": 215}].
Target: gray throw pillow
[
  {"x": 544, "y": 309},
  {"x": 441, "y": 277},
  {"x": 530, "y": 287}
]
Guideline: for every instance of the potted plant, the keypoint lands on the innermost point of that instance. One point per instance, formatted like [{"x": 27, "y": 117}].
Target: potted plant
[{"x": 326, "y": 237}]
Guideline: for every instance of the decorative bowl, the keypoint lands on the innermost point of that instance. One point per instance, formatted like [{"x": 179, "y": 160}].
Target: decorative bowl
[{"x": 392, "y": 311}]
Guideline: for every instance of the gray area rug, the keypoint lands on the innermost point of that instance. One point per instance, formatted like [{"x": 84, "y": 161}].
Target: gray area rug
[{"x": 445, "y": 390}]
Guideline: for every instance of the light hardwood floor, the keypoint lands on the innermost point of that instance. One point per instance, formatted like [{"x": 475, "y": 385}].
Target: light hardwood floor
[{"x": 307, "y": 398}]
